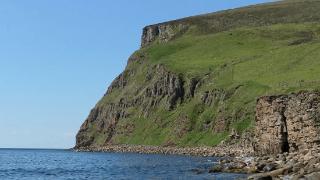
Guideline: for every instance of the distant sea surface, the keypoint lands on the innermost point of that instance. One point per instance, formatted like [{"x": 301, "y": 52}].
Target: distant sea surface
[{"x": 34, "y": 164}]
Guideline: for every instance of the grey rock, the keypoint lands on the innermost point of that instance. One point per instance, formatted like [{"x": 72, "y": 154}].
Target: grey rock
[
  {"x": 216, "y": 168},
  {"x": 297, "y": 167},
  {"x": 162, "y": 32},
  {"x": 313, "y": 176},
  {"x": 269, "y": 167}
]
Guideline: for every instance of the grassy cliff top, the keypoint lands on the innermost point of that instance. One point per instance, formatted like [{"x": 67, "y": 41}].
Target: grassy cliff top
[{"x": 287, "y": 11}]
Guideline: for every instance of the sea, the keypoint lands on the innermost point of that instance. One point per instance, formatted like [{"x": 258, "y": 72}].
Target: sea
[{"x": 55, "y": 164}]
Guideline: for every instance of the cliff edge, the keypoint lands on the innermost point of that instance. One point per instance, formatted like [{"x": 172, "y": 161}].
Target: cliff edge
[{"x": 195, "y": 81}]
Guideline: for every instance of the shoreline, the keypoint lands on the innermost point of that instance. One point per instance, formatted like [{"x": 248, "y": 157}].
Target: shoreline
[
  {"x": 204, "y": 151},
  {"x": 238, "y": 159}
]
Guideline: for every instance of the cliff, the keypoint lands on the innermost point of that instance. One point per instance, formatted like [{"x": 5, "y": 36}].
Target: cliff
[
  {"x": 287, "y": 123},
  {"x": 195, "y": 81},
  {"x": 252, "y": 16}
]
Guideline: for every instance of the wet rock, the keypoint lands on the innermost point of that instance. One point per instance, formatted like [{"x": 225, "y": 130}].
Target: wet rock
[
  {"x": 198, "y": 171},
  {"x": 264, "y": 178},
  {"x": 261, "y": 166},
  {"x": 269, "y": 167},
  {"x": 216, "y": 168}
]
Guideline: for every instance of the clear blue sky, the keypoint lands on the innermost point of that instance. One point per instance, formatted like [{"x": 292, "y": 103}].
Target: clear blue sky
[{"x": 57, "y": 58}]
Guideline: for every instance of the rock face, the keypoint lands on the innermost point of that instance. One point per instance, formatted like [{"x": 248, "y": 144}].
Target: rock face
[
  {"x": 168, "y": 85},
  {"x": 251, "y": 16},
  {"x": 287, "y": 123},
  {"x": 162, "y": 32},
  {"x": 165, "y": 87}
]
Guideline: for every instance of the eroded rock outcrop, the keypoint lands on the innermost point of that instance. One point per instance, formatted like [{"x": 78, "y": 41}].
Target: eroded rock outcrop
[
  {"x": 287, "y": 123},
  {"x": 164, "y": 87},
  {"x": 162, "y": 32},
  {"x": 251, "y": 16},
  {"x": 167, "y": 85}
]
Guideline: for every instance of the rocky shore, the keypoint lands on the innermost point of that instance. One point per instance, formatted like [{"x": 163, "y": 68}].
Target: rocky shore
[
  {"x": 301, "y": 165},
  {"x": 285, "y": 143},
  {"x": 218, "y": 151}
]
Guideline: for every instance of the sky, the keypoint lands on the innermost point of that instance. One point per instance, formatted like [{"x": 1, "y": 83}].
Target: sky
[{"x": 57, "y": 58}]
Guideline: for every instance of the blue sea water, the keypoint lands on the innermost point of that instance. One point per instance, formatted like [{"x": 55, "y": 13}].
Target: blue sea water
[{"x": 33, "y": 164}]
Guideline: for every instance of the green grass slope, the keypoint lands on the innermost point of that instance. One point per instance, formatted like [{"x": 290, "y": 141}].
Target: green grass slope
[
  {"x": 239, "y": 64},
  {"x": 264, "y": 60}
]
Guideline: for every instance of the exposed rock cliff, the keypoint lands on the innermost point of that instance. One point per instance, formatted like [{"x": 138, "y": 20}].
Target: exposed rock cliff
[
  {"x": 163, "y": 87},
  {"x": 195, "y": 81},
  {"x": 287, "y": 123},
  {"x": 268, "y": 14},
  {"x": 162, "y": 32}
]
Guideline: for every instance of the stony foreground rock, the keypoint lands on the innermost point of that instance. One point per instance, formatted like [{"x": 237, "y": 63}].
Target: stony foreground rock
[{"x": 301, "y": 165}]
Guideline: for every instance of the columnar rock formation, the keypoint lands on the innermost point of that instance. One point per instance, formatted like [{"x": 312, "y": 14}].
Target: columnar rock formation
[
  {"x": 287, "y": 123},
  {"x": 165, "y": 87}
]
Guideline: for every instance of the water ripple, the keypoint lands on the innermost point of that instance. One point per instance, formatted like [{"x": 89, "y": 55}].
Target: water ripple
[{"x": 21, "y": 164}]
